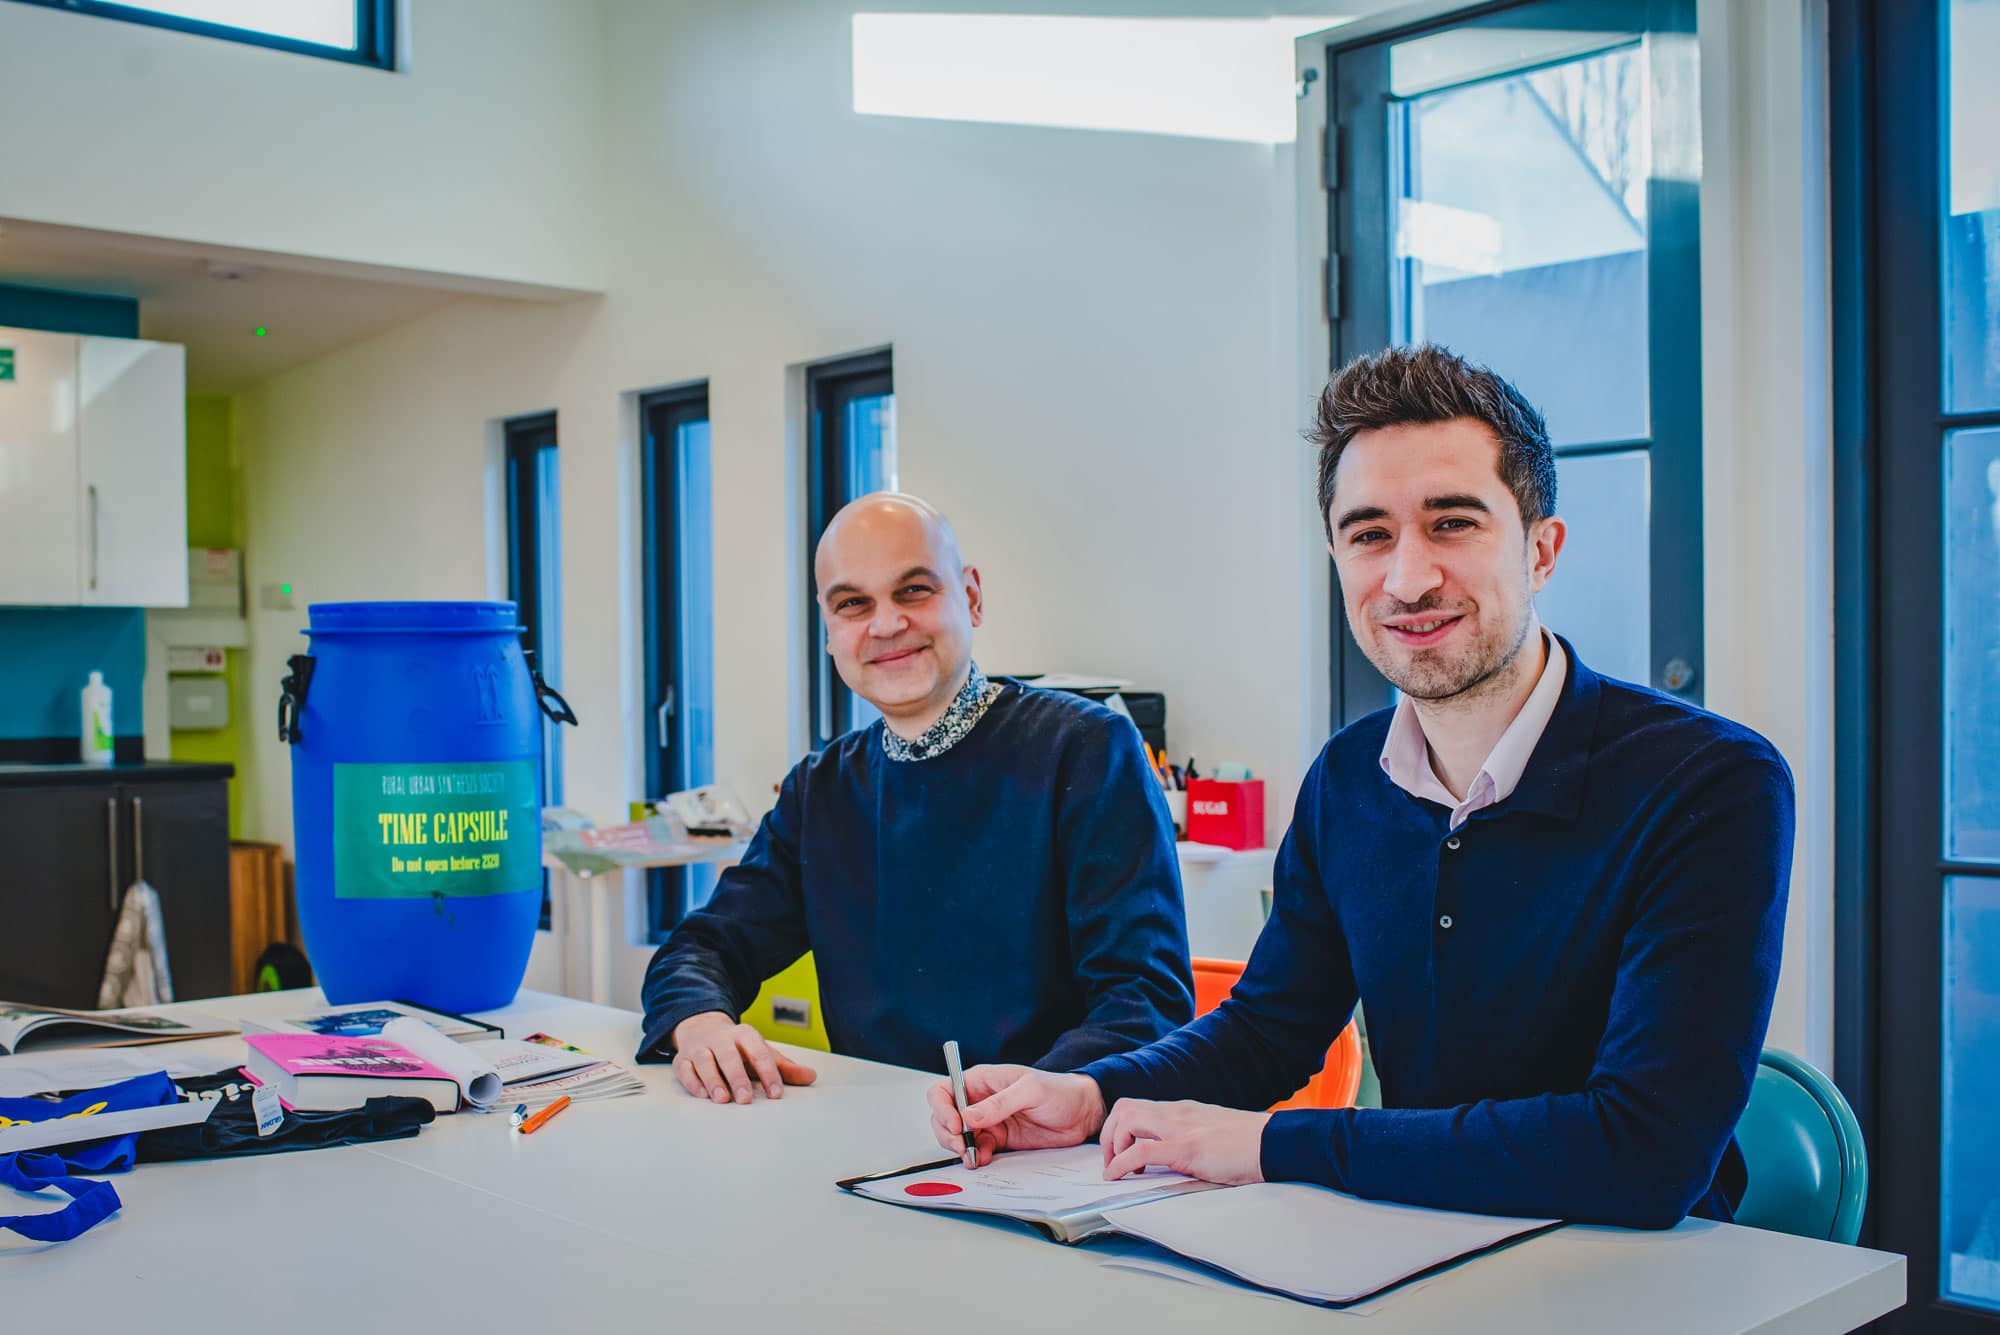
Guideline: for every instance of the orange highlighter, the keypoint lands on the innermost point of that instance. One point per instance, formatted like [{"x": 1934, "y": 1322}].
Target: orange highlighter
[{"x": 534, "y": 1124}]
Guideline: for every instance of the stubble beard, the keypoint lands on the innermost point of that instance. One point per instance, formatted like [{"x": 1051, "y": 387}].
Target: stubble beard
[{"x": 1435, "y": 677}]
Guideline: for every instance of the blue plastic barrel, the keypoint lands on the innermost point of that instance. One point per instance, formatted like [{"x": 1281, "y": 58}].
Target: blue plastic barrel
[{"x": 416, "y": 746}]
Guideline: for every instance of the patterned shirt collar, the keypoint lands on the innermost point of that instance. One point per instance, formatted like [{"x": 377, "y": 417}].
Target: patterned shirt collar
[{"x": 965, "y": 711}]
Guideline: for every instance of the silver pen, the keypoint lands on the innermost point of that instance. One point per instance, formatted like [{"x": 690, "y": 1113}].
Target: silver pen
[{"x": 957, "y": 1074}]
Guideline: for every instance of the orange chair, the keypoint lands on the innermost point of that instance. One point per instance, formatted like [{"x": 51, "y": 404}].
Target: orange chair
[{"x": 1337, "y": 1082}]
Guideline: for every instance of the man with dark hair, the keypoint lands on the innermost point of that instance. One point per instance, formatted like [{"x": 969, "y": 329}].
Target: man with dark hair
[{"x": 1560, "y": 897}]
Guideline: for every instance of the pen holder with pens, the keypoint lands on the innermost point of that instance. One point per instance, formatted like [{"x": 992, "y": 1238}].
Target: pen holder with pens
[
  {"x": 1228, "y": 813},
  {"x": 1177, "y": 807}
]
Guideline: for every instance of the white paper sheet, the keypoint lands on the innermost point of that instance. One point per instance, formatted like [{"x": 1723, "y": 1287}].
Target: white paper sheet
[
  {"x": 477, "y": 1081},
  {"x": 1046, "y": 1182},
  {"x": 74, "y": 1130},
  {"x": 1132, "y": 1256},
  {"x": 1317, "y": 1244},
  {"x": 83, "y": 1068},
  {"x": 517, "y": 1062}
]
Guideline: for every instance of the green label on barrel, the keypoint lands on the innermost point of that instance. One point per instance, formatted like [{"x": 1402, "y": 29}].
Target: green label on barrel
[{"x": 414, "y": 831}]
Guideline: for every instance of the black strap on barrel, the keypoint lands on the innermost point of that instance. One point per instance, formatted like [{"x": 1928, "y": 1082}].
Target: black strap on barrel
[
  {"x": 294, "y": 698},
  {"x": 547, "y": 696}
]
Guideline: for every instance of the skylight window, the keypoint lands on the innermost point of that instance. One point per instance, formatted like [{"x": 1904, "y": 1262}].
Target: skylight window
[{"x": 1198, "y": 78}]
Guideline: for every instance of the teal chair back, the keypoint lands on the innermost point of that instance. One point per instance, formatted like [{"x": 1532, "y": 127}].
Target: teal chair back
[{"x": 1808, "y": 1167}]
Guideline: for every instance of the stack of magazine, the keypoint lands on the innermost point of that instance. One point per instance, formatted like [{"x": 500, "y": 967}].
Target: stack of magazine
[
  {"x": 534, "y": 1070},
  {"x": 533, "y": 1079}
]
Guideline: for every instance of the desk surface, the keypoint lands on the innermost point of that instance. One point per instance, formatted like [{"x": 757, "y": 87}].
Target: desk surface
[{"x": 670, "y": 1210}]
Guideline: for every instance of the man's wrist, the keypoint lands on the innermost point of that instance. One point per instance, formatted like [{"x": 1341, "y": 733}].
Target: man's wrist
[
  {"x": 672, "y": 1045},
  {"x": 1114, "y": 1078},
  {"x": 1098, "y": 1109}
]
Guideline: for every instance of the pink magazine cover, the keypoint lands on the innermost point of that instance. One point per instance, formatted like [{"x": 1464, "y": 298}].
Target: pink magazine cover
[{"x": 317, "y": 1054}]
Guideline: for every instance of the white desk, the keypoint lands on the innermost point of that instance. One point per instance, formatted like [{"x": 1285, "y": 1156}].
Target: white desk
[{"x": 664, "y": 1212}]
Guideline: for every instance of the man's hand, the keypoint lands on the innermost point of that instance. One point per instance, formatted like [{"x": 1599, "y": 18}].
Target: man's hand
[
  {"x": 1215, "y": 1144},
  {"x": 1017, "y": 1108},
  {"x": 717, "y": 1058}
]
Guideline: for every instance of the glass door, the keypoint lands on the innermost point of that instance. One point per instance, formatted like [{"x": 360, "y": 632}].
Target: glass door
[
  {"x": 1932, "y": 187},
  {"x": 1520, "y": 187}
]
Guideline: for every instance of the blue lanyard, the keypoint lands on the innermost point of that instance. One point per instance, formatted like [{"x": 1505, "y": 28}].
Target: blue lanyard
[{"x": 91, "y": 1202}]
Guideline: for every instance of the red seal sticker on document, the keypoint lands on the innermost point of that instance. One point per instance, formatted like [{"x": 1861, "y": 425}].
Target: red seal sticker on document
[{"x": 932, "y": 1189}]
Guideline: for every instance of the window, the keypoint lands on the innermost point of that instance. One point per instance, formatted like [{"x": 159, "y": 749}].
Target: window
[
  {"x": 1518, "y": 187},
  {"x": 680, "y": 626},
  {"x": 1208, "y": 78},
  {"x": 534, "y": 578},
  {"x": 362, "y": 32},
  {"x": 851, "y": 451},
  {"x": 1916, "y": 189}
]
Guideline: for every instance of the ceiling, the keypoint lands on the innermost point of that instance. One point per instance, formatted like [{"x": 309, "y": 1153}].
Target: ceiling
[{"x": 212, "y": 300}]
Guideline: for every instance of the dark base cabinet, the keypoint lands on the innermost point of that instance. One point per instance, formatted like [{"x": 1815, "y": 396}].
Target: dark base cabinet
[
  {"x": 69, "y": 846},
  {"x": 55, "y": 893}
]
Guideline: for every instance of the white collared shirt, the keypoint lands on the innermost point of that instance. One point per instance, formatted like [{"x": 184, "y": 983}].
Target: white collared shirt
[{"x": 1406, "y": 756}]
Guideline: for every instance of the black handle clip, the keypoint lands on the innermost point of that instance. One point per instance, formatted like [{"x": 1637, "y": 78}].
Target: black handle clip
[
  {"x": 559, "y": 711},
  {"x": 295, "y": 685}
]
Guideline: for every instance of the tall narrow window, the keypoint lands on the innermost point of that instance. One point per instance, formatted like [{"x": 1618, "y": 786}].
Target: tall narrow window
[
  {"x": 534, "y": 581},
  {"x": 851, "y": 451},
  {"x": 1521, "y": 186},
  {"x": 680, "y": 626}
]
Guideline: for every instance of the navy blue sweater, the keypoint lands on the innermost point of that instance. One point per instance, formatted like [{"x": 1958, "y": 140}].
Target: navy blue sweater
[
  {"x": 1017, "y": 892},
  {"x": 1566, "y": 999}
]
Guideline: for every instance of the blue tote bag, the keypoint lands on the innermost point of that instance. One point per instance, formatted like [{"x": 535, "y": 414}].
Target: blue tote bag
[{"x": 56, "y": 1168}]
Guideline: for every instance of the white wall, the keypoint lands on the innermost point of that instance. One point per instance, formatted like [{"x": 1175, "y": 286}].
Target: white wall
[
  {"x": 481, "y": 157},
  {"x": 1093, "y": 343}
]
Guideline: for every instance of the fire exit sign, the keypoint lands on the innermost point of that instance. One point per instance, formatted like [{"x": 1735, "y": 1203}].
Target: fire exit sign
[{"x": 6, "y": 363}]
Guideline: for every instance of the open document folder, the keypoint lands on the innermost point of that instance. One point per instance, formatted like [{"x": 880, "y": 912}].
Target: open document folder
[
  {"x": 1305, "y": 1242},
  {"x": 1061, "y": 1192}
]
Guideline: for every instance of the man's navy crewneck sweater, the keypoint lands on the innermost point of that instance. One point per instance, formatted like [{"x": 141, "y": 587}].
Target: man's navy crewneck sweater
[
  {"x": 1566, "y": 997},
  {"x": 1017, "y": 892}
]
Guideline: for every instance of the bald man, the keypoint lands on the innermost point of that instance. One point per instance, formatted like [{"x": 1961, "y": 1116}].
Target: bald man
[{"x": 987, "y": 862}]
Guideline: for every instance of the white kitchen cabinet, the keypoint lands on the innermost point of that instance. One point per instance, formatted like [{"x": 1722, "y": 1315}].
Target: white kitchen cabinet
[
  {"x": 93, "y": 472},
  {"x": 132, "y": 472},
  {"x": 40, "y": 549}
]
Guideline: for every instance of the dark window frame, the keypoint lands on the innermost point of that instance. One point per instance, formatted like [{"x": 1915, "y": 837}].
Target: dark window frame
[
  {"x": 1890, "y": 423},
  {"x": 374, "y": 30},
  {"x": 667, "y": 751},
  {"x": 524, "y": 438},
  {"x": 830, "y": 388},
  {"x": 1361, "y": 304},
  {"x": 1857, "y": 705}
]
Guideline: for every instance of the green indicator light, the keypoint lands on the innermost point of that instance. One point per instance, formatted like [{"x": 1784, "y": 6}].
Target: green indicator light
[
  {"x": 285, "y": 589},
  {"x": 260, "y": 331}
]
